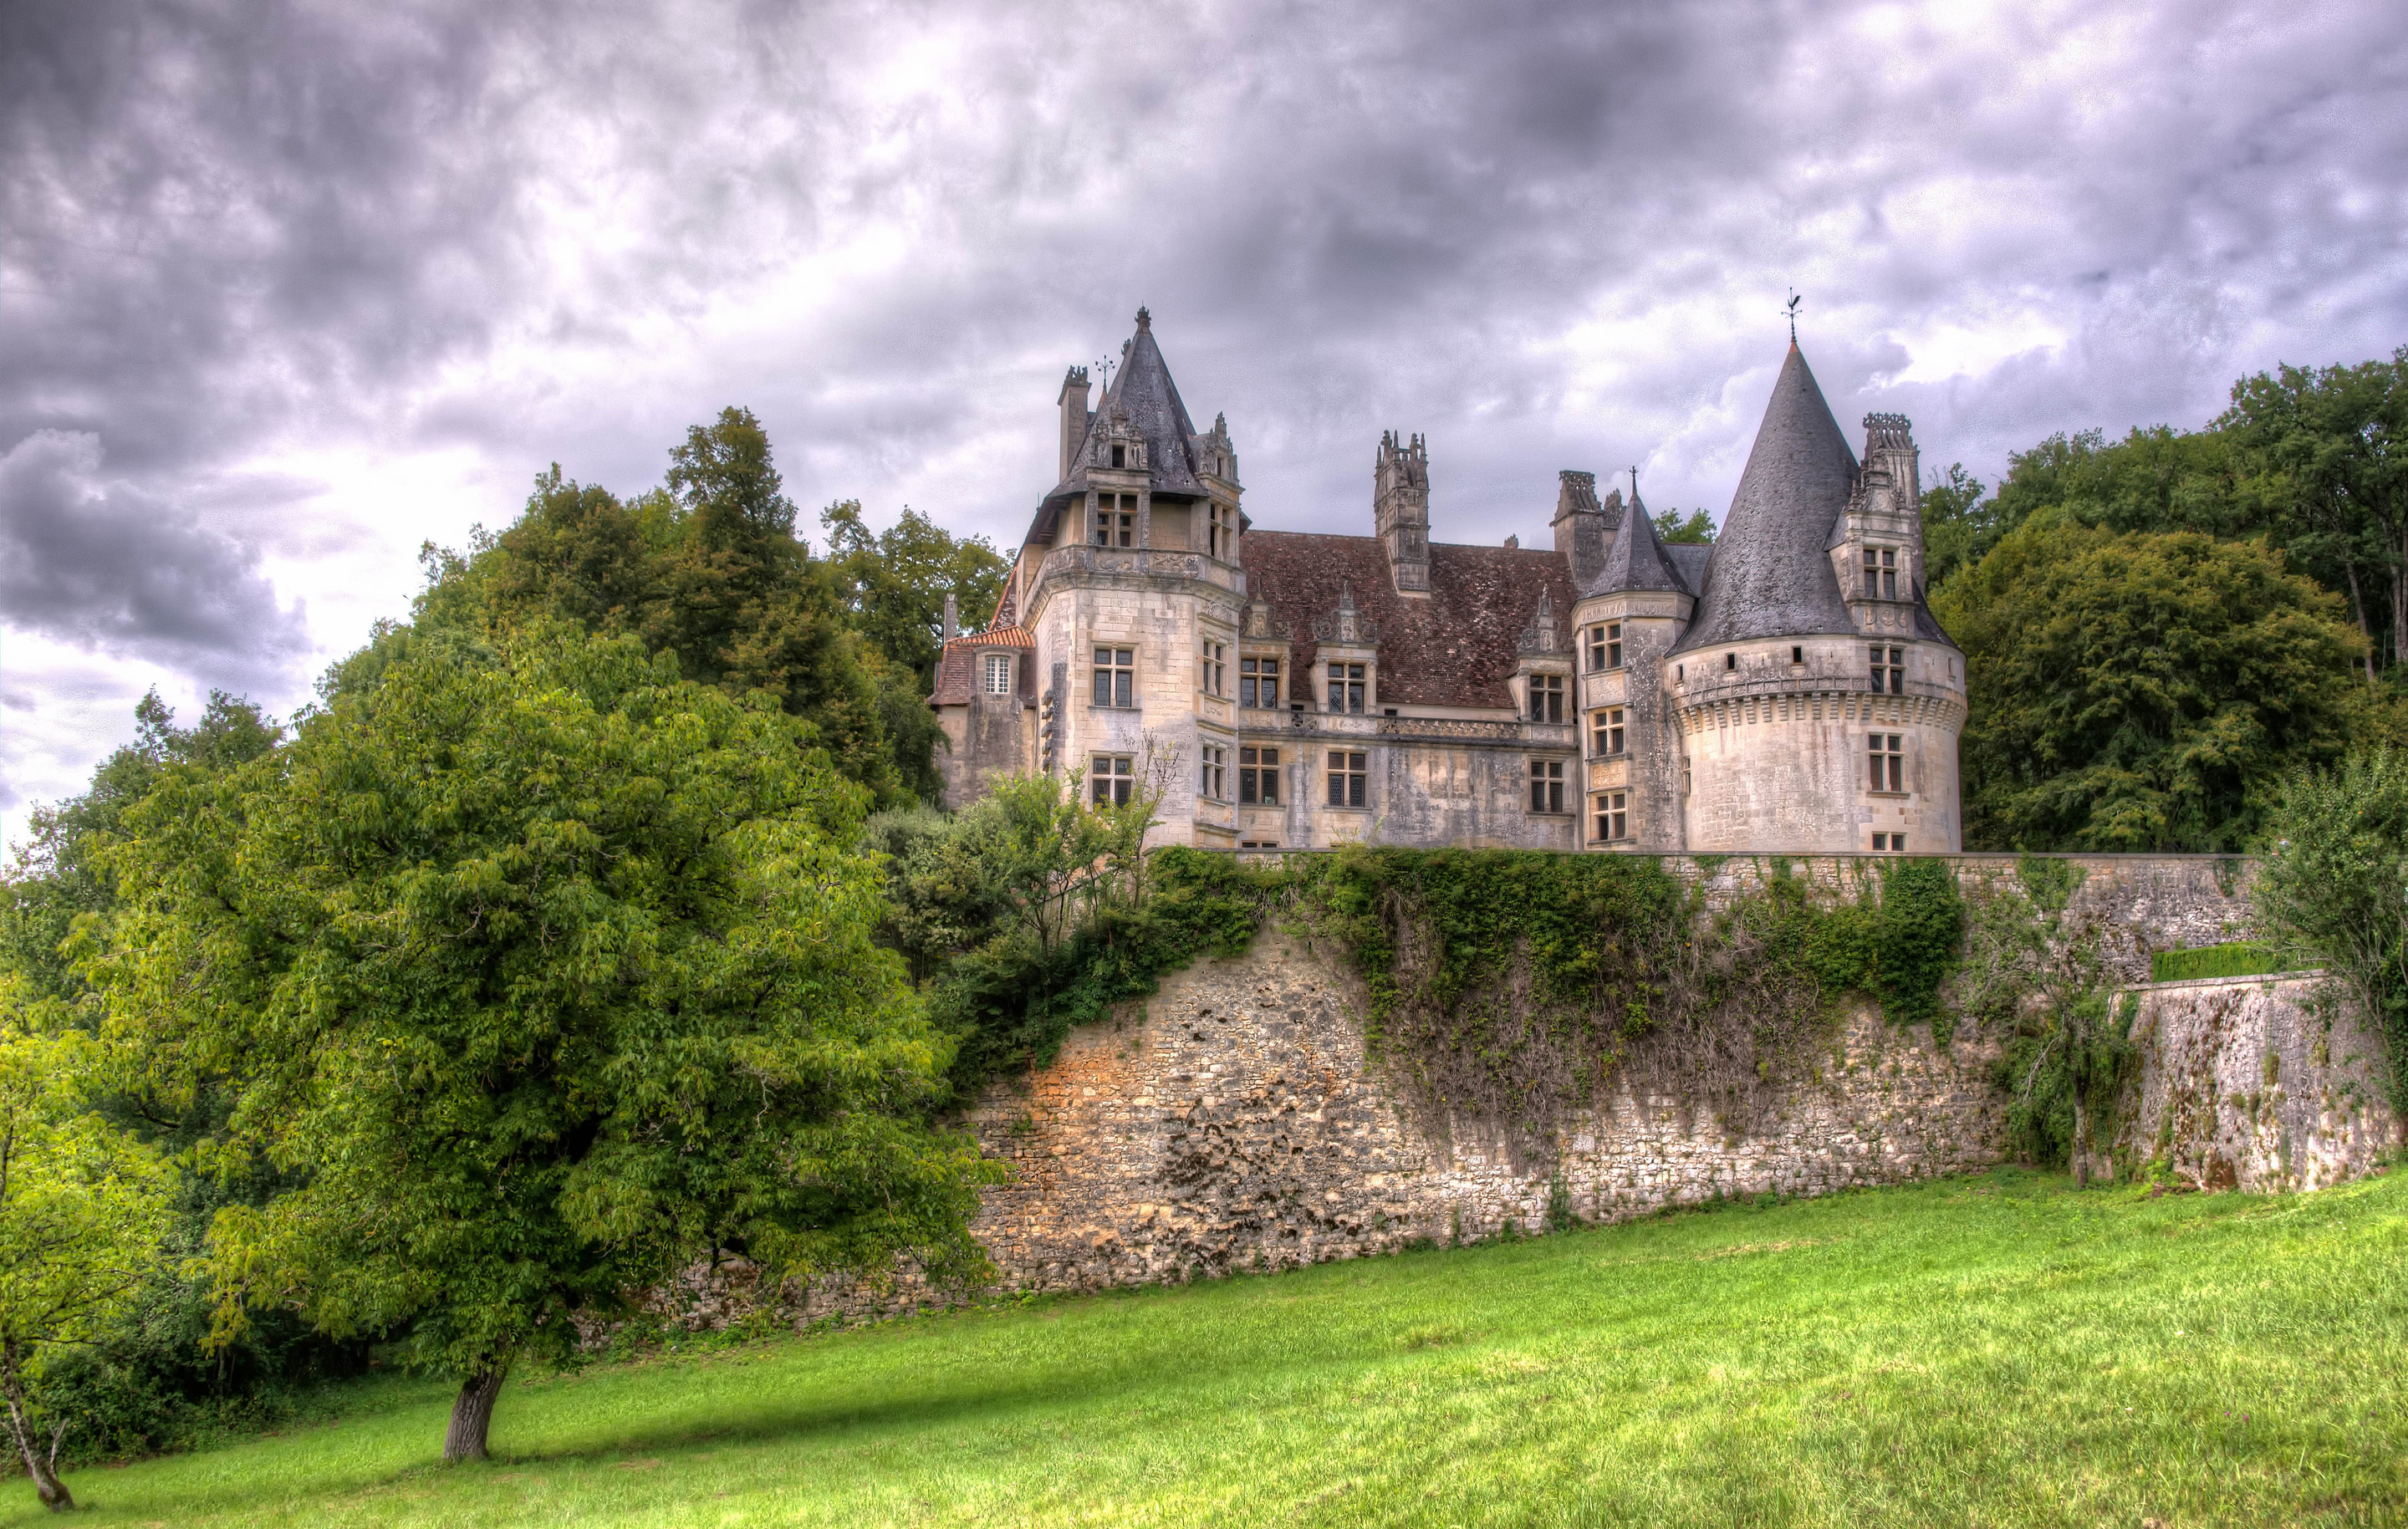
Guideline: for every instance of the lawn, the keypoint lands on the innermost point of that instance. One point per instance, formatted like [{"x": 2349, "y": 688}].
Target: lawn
[{"x": 1990, "y": 1351}]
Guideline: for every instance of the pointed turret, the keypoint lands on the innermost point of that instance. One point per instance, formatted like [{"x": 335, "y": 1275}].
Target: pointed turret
[
  {"x": 1142, "y": 416},
  {"x": 1637, "y": 560},
  {"x": 1770, "y": 577}
]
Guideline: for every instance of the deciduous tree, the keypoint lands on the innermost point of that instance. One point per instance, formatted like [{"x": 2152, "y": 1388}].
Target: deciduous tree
[{"x": 554, "y": 972}]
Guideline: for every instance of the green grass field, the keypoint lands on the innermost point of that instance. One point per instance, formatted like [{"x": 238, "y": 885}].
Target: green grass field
[{"x": 1992, "y": 1350}]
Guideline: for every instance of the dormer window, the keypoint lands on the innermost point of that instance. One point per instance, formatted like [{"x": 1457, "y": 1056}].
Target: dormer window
[
  {"x": 1880, "y": 572},
  {"x": 998, "y": 674},
  {"x": 1219, "y": 532},
  {"x": 1546, "y": 697},
  {"x": 1346, "y": 685},
  {"x": 1120, "y": 456}
]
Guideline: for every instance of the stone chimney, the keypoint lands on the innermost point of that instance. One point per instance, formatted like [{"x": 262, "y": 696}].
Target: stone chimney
[
  {"x": 1074, "y": 417},
  {"x": 952, "y": 617},
  {"x": 1581, "y": 525},
  {"x": 1401, "y": 510}
]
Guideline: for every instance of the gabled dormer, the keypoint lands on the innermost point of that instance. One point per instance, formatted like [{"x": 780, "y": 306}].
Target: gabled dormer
[{"x": 1876, "y": 543}]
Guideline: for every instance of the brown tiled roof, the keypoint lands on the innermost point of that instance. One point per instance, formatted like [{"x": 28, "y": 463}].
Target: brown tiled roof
[
  {"x": 1455, "y": 649},
  {"x": 957, "y": 668}
]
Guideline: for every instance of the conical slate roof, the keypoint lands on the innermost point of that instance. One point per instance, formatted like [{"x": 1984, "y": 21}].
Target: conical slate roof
[
  {"x": 1143, "y": 388},
  {"x": 1771, "y": 576},
  {"x": 1638, "y": 560}
]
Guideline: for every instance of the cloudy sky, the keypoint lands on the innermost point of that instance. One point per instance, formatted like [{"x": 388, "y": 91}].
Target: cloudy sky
[{"x": 287, "y": 289}]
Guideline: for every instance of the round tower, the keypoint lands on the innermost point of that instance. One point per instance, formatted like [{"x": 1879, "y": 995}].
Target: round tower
[{"x": 1817, "y": 704}]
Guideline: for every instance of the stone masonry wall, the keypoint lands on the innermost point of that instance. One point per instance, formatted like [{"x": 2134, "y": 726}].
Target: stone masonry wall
[
  {"x": 2255, "y": 1083},
  {"x": 1236, "y": 1123}
]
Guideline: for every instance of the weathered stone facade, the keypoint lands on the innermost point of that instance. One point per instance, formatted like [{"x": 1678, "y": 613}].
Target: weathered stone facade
[
  {"x": 1784, "y": 688},
  {"x": 2255, "y": 1083}
]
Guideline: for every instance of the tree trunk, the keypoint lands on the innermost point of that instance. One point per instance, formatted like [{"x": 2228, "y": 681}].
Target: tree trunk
[
  {"x": 472, "y": 1415},
  {"x": 2081, "y": 1139},
  {"x": 42, "y": 1464},
  {"x": 2400, "y": 601},
  {"x": 2357, "y": 608}
]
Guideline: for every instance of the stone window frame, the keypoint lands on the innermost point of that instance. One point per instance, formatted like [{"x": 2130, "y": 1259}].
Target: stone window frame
[
  {"x": 1212, "y": 773},
  {"x": 1546, "y": 786},
  {"x": 1881, "y": 570},
  {"x": 1212, "y": 666},
  {"x": 1889, "y": 844},
  {"x": 1894, "y": 772},
  {"x": 1611, "y": 810},
  {"x": 1544, "y": 693},
  {"x": 1258, "y": 775},
  {"x": 1249, "y": 682},
  {"x": 1114, "y": 513},
  {"x": 1605, "y": 648},
  {"x": 1608, "y": 733},
  {"x": 1349, "y": 774},
  {"x": 1220, "y": 531},
  {"x": 1895, "y": 669},
  {"x": 999, "y": 673},
  {"x": 1123, "y": 675},
  {"x": 1357, "y": 678},
  {"x": 1111, "y": 779}
]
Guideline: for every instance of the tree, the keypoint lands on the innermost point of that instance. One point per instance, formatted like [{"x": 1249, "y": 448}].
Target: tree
[
  {"x": 81, "y": 1211},
  {"x": 1695, "y": 531},
  {"x": 2139, "y": 692},
  {"x": 1959, "y": 525},
  {"x": 2337, "y": 437},
  {"x": 2332, "y": 887},
  {"x": 893, "y": 582},
  {"x": 553, "y": 973}
]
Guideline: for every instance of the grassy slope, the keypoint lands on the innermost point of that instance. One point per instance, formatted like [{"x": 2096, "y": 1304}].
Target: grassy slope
[{"x": 1992, "y": 1350}]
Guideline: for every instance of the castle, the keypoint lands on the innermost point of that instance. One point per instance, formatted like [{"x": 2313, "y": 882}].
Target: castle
[{"x": 1781, "y": 689}]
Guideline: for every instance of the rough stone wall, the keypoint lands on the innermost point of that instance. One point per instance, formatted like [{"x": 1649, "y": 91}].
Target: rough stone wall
[
  {"x": 2253, "y": 1083},
  {"x": 1236, "y": 1123}
]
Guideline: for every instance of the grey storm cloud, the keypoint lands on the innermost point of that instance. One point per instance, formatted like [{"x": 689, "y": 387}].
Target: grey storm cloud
[
  {"x": 104, "y": 564},
  {"x": 239, "y": 238}
]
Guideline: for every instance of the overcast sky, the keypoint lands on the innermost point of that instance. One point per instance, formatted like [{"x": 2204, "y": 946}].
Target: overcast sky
[{"x": 287, "y": 289}]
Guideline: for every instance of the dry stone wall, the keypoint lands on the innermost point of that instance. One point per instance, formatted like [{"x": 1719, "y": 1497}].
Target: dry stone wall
[
  {"x": 1236, "y": 1122},
  {"x": 2255, "y": 1083}
]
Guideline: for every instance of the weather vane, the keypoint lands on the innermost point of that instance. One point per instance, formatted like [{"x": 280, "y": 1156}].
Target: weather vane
[
  {"x": 1792, "y": 315},
  {"x": 1634, "y": 485}
]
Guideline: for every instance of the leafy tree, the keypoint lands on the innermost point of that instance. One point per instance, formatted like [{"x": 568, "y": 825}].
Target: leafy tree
[
  {"x": 2335, "y": 439},
  {"x": 2333, "y": 885},
  {"x": 1696, "y": 530},
  {"x": 707, "y": 568},
  {"x": 893, "y": 582},
  {"x": 2139, "y": 692},
  {"x": 1959, "y": 525},
  {"x": 82, "y": 1209},
  {"x": 553, "y": 973}
]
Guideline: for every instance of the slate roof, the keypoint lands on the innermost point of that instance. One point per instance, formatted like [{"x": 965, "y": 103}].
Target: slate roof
[
  {"x": 1770, "y": 577},
  {"x": 1637, "y": 560},
  {"x": 1456, "y": 648},
  {"x": 957, "y": 667},
  {"x": 1690, "y": 560}
]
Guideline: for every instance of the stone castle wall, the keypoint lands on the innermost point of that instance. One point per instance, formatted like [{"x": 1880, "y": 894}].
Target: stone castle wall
[
  {"x": 1234, "y": 1122},
  {"x": 2255, "y": 1083}
]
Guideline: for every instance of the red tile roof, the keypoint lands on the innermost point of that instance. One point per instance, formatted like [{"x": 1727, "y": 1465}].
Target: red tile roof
[
  {"x": 1458, "y": 648},
  {"x": 957, "y": 669}
]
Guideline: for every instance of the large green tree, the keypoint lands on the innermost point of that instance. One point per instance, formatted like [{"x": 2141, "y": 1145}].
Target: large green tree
[
  {"x": 82, "y": 1205},
  {"x": 553, "y": 972},
  {"x": 707, "y": 568},
  {"x": 2139, "y": 692},
  {"x": 893, "y": 582}
]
